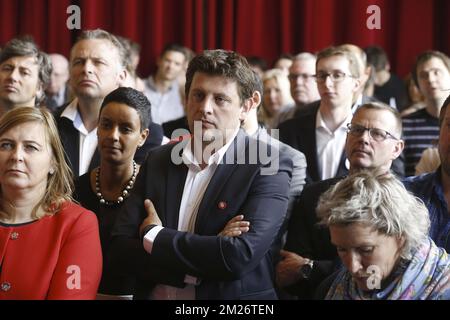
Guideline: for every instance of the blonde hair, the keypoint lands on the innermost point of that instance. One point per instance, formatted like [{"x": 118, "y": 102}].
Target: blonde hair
[
  {"x": 59, "y": 184},
  {"x": 283, "y": 83},
  {"x": 379, "y": 201},
  {"x": 354, "y": 62}
]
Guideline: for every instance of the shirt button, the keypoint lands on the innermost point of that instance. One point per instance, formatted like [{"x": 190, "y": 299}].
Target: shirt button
[
  {"x": 5, "y": 286},
  {"x": 14, "y": 235}
]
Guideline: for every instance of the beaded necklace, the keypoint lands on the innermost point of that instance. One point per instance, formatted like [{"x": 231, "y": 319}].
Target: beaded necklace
[{"x": 125, "y": 192}]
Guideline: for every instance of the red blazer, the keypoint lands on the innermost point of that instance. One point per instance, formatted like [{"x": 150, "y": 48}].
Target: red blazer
[{"x": 56, "y": 257}]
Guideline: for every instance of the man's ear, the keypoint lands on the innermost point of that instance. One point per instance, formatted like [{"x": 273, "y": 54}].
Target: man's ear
[
  {"x": 256, "y": 99},
  {"x": 39, "y": 89},
  {"x": 123, "y": 74},
  {"x": 357, "y": 84},
  {"x": 398, "y": 149},
  {"x": 249, "y": 104}
]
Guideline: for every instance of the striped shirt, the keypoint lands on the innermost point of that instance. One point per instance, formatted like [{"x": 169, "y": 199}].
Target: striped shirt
[{"x": 420, "y": 131}]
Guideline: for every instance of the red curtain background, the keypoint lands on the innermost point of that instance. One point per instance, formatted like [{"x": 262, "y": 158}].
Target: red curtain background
[{"x": 264, "y": 28}]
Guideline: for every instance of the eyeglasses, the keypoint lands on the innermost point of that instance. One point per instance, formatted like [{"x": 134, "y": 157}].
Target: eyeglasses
[
  {"x": 375, "y": 133},
  {"x": 303, "y": 76},
  {"x": 335, "y": 76}
]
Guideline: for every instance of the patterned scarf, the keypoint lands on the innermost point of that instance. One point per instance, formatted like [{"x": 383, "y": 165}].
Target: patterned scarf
[{"x": 425, "y": 277}]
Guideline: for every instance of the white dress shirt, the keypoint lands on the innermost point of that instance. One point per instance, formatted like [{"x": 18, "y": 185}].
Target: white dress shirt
[
  {"x": 196, "y": 183},
  {"x": 166, "y": 106},
  {"x": 88, "y": 140},
  {"x": 330, "y": 146}
]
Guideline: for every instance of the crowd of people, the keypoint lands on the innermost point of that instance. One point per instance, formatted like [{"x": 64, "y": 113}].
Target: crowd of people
[{"x": 326, "y": 177}]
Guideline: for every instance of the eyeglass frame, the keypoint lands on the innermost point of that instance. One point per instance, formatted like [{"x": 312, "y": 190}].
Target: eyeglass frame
[
  {"x": 331, "y": 75},
  {"x": 388, "y": 134},
  {"x": 305, "y": 76}
]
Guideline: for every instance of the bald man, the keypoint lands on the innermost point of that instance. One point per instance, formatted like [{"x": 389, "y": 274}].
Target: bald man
[{"x": 57, "y": 92}]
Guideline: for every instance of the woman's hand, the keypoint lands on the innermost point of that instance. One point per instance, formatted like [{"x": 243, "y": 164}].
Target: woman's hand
[{"x": 235, "y": 227}]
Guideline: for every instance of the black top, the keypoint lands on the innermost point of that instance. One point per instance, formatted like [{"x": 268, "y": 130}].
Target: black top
[
  {"x": 106, "y": 214},
  {"x": 393, "y": 88}
]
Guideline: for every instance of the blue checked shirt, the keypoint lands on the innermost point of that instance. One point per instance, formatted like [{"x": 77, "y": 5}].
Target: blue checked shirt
[{"x": 428, "y": 187}]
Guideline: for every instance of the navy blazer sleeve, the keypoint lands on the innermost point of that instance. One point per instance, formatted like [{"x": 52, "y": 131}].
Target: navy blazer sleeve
[
  {"x": 221, "y": 258},
  {"x": 263, "y": 199}
]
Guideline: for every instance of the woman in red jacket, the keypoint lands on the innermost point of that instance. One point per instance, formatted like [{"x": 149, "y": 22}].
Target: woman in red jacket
[{"x": 49, "y": 246}]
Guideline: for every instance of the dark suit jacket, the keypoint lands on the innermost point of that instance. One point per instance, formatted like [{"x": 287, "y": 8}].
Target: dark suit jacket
[
  {"x": 170, "y": 126},
  {"x": 300, "y": 133},
  {"x": 307, "y": 239},
  {"x": 229, "y": 268},
  {"x": 70, "y": 139}
]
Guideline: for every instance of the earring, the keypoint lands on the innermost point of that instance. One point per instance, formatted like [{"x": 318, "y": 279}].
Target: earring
[{"x": 52, "y": 171}]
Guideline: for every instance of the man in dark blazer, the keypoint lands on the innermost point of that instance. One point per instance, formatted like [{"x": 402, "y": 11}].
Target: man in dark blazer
[
  {"x": 190, "y": 242},
  {"x": 309, "y": 255},
  {"x": 97, "y": 63},
  {"x": 319, "y": 130},
  {"x": 321, "y": 125},
  {"x": 97, "y": 67}
]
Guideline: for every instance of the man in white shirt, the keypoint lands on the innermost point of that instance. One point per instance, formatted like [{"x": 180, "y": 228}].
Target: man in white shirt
[
  {"x": 320, "y": 130},
  {"x": 97, "y": 67},
  {"x": 190, "y": 244},
  {"x": 162, "y": 88}
]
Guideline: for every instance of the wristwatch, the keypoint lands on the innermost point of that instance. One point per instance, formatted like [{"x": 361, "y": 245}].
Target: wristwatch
[{"x": 306, "y": 269}]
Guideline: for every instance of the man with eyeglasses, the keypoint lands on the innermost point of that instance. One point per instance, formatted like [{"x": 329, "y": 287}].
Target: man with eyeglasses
[
  {"x": 303, "y": 84},
  {"x": 319, "y": 131},
  {"x": 434, "y": 188},
  {"x": 373, "y": 142},
  {"x": 431, "y": 73}
]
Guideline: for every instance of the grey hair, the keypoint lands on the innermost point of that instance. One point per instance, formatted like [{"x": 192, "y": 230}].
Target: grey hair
[
  {"x": 99, "y": 34},
  {"x": 304, "y": 56},
  {"x": 23, "y": 47},
  {"x": 379, "y": 201}
]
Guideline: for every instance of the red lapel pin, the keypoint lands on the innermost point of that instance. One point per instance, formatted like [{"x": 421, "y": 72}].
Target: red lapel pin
[{"x": 222, "y": 205}]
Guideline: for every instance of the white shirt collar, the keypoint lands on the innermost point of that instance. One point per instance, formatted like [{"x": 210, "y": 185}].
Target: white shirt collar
[
  {"x": 71, "y": 113},
  {"x": 320, "y": 123}
]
